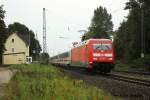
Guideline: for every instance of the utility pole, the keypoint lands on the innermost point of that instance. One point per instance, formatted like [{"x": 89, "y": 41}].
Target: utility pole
[
  {"x": 142, "y": 31},
  {"x": 44, "y": 32}
]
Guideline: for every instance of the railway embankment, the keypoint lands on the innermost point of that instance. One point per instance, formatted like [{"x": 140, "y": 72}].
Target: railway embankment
[
  {"x": 42, "y": 82},
  {"x": 122, "y": 88}
]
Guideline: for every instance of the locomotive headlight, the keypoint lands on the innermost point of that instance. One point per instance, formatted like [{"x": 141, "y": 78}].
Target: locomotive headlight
[
  {"x": 110, "y": 58},
  {"x": 90, "y": 62}
]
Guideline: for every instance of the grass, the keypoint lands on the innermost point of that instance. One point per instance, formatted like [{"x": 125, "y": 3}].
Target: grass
[
  {"x": 41, "y": 82},
  {"x": 130, "y": 67},
  {"x": 135, "y": 66}
]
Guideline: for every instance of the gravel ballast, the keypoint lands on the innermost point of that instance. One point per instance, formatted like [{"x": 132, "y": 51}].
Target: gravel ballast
[{"x": 124, "y": 90}]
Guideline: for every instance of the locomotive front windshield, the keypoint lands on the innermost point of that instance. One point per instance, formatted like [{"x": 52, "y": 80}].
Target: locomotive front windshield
[{"x": 102, "y": 46}]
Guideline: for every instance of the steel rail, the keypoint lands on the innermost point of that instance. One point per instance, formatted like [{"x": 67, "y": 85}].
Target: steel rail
[
  {"x": 133, "y": 72},
  {"x": 129, "y": 79}
]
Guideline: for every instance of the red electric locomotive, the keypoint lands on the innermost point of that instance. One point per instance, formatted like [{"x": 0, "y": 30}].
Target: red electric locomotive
[{"x": 93, "y": 54}]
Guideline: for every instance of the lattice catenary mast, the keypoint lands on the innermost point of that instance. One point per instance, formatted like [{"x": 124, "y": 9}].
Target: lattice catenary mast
[{"x": 44, "y": 32}]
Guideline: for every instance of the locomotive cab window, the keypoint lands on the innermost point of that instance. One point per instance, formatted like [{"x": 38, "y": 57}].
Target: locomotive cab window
[{"x": 102, "y": 46}]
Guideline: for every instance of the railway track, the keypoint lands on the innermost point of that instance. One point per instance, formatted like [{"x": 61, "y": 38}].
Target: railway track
[
  {"x": 118, "y": 77},
  {"x": 133, "y": 72},
  {"x": 129, "y": 80},
  {"x": 128, "y": 89}
]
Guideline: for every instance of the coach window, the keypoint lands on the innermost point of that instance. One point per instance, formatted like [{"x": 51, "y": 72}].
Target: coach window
[{"x": 12, "y": 40}]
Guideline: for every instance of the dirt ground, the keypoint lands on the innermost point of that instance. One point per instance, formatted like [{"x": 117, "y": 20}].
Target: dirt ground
[{"x": 5, "y": 76}]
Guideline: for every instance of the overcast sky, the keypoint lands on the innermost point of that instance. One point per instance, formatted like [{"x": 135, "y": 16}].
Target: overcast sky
[{"x": 64, "y": 18}]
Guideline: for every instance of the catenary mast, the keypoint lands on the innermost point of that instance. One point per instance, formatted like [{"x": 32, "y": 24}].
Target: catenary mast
[{"x": 44, "y": 32}]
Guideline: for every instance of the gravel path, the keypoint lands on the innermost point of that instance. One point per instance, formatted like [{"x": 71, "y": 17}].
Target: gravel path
[
  {"x": 127, "y": 91},
  {"x": 5, "y": 76}
]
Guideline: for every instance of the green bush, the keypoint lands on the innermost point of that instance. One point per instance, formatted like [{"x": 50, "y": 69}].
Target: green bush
[
  {"x": 142, "y": 63},
  {"x": 122, "y": 66},
  {"x": 44, "y": 58},
  {"x": 147, "y": 62}
]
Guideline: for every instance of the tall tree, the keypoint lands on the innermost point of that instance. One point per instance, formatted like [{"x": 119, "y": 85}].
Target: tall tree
[
  {"x": 35, "y": 47},
  {"x": 3, "y": 32},
  {"x": 101, "y": 25},
  {"x": 27, "y": 35},
  {"x": 129, "y": 32}
]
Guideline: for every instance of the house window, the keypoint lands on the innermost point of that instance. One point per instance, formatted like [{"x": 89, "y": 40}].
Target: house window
[
  {"x": 12, "y": 40},
  {"x": 13, "y": 49}
]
